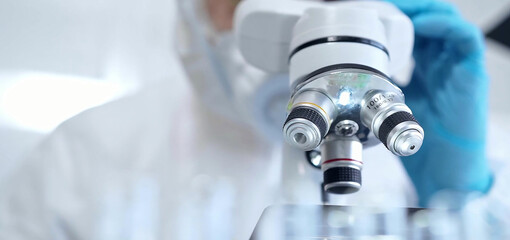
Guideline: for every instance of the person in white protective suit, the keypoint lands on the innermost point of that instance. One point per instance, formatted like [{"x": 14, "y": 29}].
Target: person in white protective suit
[{"x": 199, "y": 155}]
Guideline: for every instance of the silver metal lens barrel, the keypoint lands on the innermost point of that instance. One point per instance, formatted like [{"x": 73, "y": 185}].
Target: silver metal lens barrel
[
  {"x": 341, "y": 164},
  {"x": 309, "y": 120},
  {"x": 304, "y": 129},
  {"x": 392, "y": 122}
]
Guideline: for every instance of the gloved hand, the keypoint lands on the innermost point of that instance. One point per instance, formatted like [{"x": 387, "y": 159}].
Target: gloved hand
[{"x": 448, "y": 96}]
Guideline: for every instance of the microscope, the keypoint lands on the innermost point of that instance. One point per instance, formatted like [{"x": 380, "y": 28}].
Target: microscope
[{"x": 339, "y": 57}]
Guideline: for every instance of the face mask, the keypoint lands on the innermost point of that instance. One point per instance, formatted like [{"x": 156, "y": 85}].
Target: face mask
[{"x": 222, "y": 79}]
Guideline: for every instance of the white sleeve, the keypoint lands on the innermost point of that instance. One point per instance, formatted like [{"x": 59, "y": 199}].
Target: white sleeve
[
  {"x": 489, "y": 216},
  {"x": 492, "y": 211}
]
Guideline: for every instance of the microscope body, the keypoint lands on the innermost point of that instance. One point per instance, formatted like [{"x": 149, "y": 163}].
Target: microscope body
[{"x": 339, "y": 56}]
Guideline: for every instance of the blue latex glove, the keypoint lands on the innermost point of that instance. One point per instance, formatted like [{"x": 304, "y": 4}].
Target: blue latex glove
[{"x": 448, "y": 96}]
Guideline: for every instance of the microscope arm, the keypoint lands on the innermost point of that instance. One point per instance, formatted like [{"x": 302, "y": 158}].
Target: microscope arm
[{"x": 266, "y": 29}]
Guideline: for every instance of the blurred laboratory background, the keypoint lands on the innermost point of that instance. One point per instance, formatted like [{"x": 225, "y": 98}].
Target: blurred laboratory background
[
  {"x": 59, "y": 58},
  {"x": 64, "y": 64}
]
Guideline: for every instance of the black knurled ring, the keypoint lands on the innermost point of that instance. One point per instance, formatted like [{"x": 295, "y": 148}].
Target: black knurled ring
[
  {"x": 342, "y": 174},
  {"x": 391, "y": 122},
  {"x": 311, "y": 115}
]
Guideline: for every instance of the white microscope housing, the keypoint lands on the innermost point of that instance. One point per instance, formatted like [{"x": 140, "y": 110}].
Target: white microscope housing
[{"x": 339, "y": 56}]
